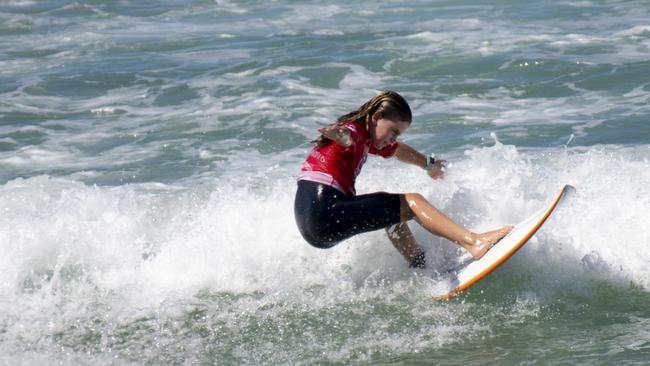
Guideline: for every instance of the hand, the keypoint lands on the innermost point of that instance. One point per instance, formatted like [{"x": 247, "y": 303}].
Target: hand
[
  {"x": 337, "y": 133},
  {"x": 438, "y": 169}
]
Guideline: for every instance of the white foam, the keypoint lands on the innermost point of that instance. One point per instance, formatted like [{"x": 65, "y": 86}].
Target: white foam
[
  {"x": 478, "y": 190},
  {"x": 20, "y": 3},
  {"x": 578, "y": 4},
  {"x": 36, "y": 157},
  {"x": 360, "y": 78},
  {"x": 306, "y": 13},
  {"x": 496, "y": 186},
  {"x": 634, "y": 31},
  {"x": 137, "y": 249},
  {"x": 106, "y": 110},
  {"x": 231, "y": 7}
]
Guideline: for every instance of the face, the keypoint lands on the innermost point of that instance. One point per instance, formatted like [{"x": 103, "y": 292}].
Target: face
[{"x": 384, "y": 132}]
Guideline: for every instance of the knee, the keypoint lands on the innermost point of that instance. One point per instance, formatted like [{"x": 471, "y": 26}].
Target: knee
[
  {"x": 412, "y": 204},
  {"x": 413, "y": 199}
]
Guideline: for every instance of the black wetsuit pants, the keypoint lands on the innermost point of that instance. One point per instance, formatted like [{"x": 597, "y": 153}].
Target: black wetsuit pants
[{"x": 325, "y": 216}]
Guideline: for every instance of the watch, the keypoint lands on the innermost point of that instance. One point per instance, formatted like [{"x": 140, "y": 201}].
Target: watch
[{"x": 431, "y": 161}]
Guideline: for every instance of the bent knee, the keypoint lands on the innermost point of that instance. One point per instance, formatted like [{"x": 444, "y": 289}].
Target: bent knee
[{"x": 414, "y": 198}]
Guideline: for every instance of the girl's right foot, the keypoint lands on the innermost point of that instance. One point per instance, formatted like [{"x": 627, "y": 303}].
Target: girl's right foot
[{"x": 483, "y": 242}]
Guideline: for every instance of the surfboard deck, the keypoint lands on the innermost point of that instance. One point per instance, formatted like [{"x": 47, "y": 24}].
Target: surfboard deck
[{"x": 474, "y": 271}]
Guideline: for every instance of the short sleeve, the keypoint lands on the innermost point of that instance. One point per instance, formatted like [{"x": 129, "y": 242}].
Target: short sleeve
[{"x": 386, "y": 152}]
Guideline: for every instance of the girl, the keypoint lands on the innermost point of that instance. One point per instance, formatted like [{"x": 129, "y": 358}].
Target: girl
[{"x": 327, "y": 208}]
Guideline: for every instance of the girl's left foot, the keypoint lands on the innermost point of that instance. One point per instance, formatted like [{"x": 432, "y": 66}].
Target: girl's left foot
[{"x": 483, "y": 242}]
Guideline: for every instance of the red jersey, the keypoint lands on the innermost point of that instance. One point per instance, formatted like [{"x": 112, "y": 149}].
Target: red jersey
[{"x": 338, "y": 166}]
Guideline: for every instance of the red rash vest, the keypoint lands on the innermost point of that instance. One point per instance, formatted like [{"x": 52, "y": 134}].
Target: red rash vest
[{"x": 338, "y": 166}]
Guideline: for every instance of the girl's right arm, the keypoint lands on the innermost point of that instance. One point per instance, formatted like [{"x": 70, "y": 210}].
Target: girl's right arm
[{"x": 407, "y": 154}]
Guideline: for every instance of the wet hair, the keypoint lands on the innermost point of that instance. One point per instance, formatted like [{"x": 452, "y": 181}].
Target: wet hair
[{"x": 388, "y": 103}]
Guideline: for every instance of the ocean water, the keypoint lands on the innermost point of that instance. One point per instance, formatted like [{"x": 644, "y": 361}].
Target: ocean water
[{"x": 149, "y": 151}]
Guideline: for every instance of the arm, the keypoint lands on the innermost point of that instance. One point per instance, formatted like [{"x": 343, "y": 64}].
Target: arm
[{"x": 409, "y": 155}]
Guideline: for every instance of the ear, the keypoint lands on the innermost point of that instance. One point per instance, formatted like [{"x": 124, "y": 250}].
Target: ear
[{"x": 376, "y": 117}]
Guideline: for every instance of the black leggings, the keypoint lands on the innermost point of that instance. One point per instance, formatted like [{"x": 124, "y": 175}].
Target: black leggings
[{"x": 325, "y": 216}]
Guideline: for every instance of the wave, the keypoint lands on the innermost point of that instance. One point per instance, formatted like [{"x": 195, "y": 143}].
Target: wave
[
  {"x": 239, "y": 234},
  {"x": 145, "y": 254}
]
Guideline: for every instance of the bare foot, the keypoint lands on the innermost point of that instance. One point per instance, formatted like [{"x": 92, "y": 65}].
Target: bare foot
[{"x": 483, "y": 242}]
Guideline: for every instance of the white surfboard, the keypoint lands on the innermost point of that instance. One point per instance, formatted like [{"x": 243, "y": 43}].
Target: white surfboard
[{"x": 475, "y": 271}]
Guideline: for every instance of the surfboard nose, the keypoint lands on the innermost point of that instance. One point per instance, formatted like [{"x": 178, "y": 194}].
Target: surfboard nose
[{"x": 475, "y": 271}]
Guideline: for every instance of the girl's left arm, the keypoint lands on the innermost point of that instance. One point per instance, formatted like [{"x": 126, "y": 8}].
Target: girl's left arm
[{"x": 409, "y": 155}]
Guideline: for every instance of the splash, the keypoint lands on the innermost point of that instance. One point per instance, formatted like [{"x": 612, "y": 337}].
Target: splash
[{"x": 151, "y": 254}]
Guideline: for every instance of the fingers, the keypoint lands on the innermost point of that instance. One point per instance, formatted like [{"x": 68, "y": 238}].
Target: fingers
[
  {"x": 438, "y": 171},
  {"x": 331, "y": 128},
  {"x": 337, "y": 133},
  {"x": 330, "y": 131},
  {"x": 326, "y": 130}
]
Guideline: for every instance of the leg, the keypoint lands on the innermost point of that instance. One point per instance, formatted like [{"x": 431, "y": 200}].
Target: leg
[
  {"x": 415, "y": 206},
  {"x": 325, "y": 216},
  {"x": 402, "y": 238}
]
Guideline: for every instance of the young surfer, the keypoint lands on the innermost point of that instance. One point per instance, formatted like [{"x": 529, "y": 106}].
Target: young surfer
[{"x": 327, "y": 208}]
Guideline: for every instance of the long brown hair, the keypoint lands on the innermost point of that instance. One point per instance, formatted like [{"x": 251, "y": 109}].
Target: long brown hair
[{"x": 388, "y": 103}]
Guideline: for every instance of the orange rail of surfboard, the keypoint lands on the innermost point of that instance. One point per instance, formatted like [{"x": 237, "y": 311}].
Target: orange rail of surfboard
[{"x": 566, "y": 191}]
